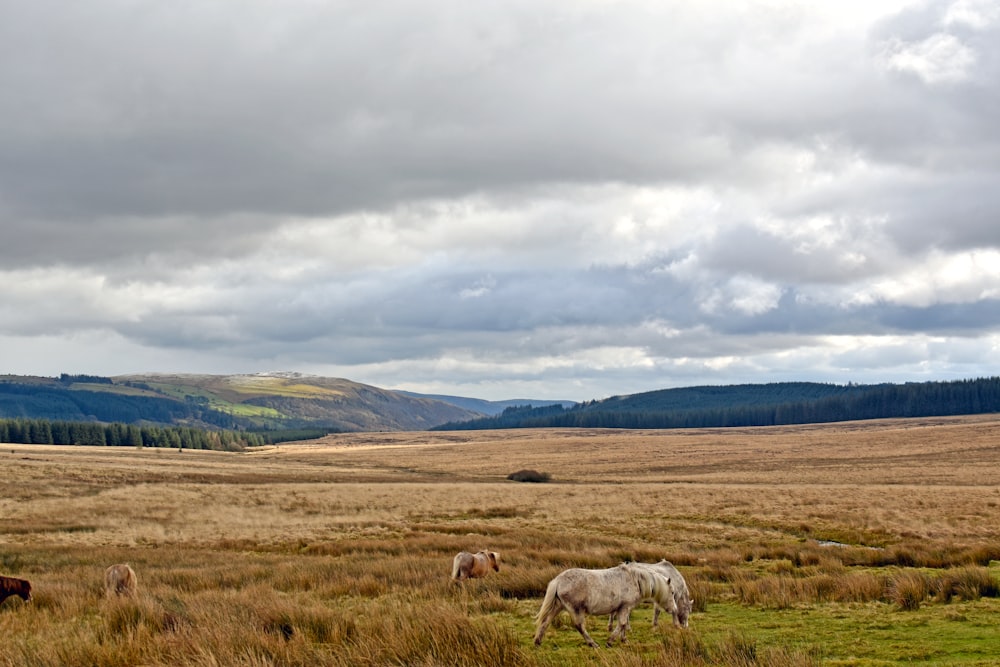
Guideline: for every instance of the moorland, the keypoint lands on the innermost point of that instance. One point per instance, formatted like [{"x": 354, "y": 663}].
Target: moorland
[{"x": 857, "y": 543}]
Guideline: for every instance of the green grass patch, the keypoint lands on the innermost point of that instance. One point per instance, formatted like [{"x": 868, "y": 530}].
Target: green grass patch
[
  {"x": 275, "y": 386},
  {"x": 121, "y": 389},
  {"x": 873, "y": 634},
  {"x": 181, "y": 392}
]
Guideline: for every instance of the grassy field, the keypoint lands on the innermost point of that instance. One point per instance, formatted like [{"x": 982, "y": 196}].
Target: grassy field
[{"x": 866, "y": 543}]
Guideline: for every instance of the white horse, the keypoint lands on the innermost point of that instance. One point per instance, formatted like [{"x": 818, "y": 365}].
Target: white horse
[
  {"x": 683, "y": 602},
  {"x": 616, "y": 591}
]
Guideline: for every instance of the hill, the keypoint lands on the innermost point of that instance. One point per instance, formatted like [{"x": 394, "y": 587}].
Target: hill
[
  {"x": 757, "y": 405},
  {"x": 489, "y": 408},
  {"x": 261, "y": 401}
]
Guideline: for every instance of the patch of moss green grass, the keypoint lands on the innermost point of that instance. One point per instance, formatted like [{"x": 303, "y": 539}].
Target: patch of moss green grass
[
  {"x": 238, "y": 409},
  {"x": 873, "y": 634},
  {"x": 273, "y": 386},
  {"x": 122, "y": 389},
  {"x": 868, "y": 634}
]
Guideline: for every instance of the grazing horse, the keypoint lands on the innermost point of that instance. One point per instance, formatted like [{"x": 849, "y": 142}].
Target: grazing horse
[
  {"x": 683, "y": 602},
  {"x": 472, "y": 566},
  {"x": 9, "y": 586},
  {"x": 120, "y": 579},
  {"x": 616, "y": 590}
]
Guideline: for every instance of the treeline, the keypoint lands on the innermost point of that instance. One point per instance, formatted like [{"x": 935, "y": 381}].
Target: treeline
[
  {"x": 756, "y": 405},
  {"x": 58, "y": 403},
  {"x": 45, "y": 432},
  {"x": 55, "y": 400},
  {"x": 66, "y": 378}
]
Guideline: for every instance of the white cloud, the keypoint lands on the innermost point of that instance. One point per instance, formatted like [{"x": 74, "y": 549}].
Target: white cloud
[
  {"x": 939, "y": 279},
  {"x": 976, "y": 14},
  {"x": 941, "y": 58},
  {"x": 479, "y": 289}
]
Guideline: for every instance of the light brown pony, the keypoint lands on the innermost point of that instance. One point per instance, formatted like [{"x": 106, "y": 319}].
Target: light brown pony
[
  {"x": 472, "y": 566},
  {"x": 616, "y": 591},
  {"x": 120, "y": 579}
]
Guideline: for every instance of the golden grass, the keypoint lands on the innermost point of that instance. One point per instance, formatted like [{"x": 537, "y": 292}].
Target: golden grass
[{"x": 338, "y": 551}]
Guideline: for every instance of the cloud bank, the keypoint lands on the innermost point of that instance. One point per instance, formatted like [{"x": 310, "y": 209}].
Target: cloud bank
[{"x": 550, "y": 199}]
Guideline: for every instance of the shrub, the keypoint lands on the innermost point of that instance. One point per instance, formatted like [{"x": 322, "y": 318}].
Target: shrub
[
  {"x": 860, "y": 587},
  {"x": 738, "y": 650},
  {"x": 909, "y": 589},
  {"x": 969, "y": 583},
  {"x": 529, "y": 476}
]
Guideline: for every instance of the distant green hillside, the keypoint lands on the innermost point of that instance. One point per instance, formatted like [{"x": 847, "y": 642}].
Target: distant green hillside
[
  {"x": 756, "y": 405},
  {"x": 489, "y": 408},
  {"x": 253, "y": 402}
]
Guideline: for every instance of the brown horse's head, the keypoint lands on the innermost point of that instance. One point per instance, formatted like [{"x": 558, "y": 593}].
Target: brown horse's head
[{"x": 494, "y": 560}]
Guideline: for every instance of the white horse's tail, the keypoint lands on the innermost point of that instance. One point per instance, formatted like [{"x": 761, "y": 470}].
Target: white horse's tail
[
  {"x": 550, "y": 603},
  {"x": 455, "y": 566}
]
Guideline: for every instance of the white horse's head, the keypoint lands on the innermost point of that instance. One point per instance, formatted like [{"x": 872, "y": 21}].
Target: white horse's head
[{"x": 663, "y": 591}]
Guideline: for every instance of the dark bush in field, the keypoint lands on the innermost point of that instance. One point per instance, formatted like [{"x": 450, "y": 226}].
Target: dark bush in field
[{"x": 529, "y": 476}]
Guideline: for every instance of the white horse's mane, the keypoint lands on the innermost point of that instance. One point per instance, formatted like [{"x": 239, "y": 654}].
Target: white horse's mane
[{"x": 652, "y": 585}]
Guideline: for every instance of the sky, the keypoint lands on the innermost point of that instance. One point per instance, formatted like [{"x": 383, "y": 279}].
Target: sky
[{"x": 553, "y": 199}]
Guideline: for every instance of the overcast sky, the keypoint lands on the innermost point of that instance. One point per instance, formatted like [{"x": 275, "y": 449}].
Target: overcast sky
[{"x": 549, "y": 199}]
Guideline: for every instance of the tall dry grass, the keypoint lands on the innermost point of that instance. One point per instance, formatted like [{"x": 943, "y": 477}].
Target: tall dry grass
[{"x": 339, "y": 553}]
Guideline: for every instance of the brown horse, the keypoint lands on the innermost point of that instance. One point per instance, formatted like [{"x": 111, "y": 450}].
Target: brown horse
[
  {"x": 472, "y": 566},
  {"x": 9, "y": 586},
  {"x": 616, "y": 591},
  {"x": 120, "y": 579}
]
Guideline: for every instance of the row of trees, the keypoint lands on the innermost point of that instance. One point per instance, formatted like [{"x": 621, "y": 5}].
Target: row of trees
[
  {"x": 63, "y": 404},
  {"x": 45, "y": 432},
  {"x": 56, "y": 401},
  {"x": 746, "y": 407}
]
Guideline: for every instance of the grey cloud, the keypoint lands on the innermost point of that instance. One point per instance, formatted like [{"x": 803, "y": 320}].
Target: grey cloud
[
  {"x": 132, "y": 247},
  {"x": 184, "y": 109},
  {"x": 558, "y": 194}
]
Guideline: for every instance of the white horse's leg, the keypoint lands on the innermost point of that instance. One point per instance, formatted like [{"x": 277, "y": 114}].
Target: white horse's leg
[
  {"x": 623, "y": 618},
  {"x": 611, "y": 622},
  {"x": 579, "y": 622},
  {"x": 543, "y": 623}
]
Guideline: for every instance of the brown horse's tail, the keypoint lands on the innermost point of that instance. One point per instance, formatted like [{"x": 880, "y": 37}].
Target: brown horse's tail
[{"x": 456, "y": 567}]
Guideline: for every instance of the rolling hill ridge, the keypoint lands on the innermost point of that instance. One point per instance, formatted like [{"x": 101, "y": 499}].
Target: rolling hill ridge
[
  {"x": 756, "y": 405},
  {"x": 265, "y": 401},
  {"x": 291, "y": 401}
]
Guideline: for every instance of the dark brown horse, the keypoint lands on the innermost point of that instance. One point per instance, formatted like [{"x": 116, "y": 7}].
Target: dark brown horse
[{"x": 9, "y": 586}]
